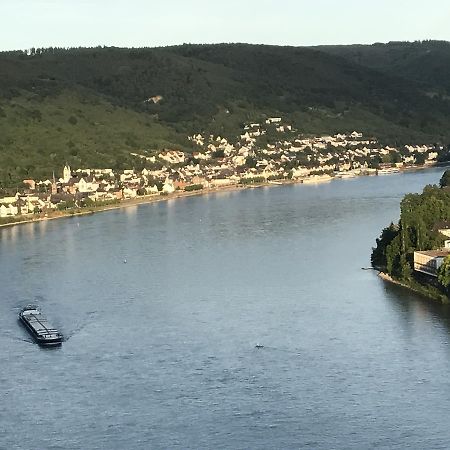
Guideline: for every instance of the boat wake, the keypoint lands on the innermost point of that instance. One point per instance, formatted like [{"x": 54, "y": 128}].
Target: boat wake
[
  {"x": 17, "y": 339},
  {"x": 82, "y": 325},
  {"x": 278, "y": 349}
]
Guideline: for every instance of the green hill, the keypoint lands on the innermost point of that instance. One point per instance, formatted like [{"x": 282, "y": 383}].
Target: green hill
[
  {"x": 91, "y": 106},
  {"x": 424, "y": 62}
]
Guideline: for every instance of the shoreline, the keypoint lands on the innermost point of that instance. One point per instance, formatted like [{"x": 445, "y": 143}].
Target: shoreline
[
  {"x": 142, "y": 200},
  {"x": 435, "y": 296},
  {"x": 181, "y": 194}
]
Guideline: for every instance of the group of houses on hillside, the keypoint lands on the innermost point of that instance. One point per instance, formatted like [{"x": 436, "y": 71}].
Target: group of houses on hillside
[
  {"x": 278, "y": 150},
  {"x": 270, "y": 150}
]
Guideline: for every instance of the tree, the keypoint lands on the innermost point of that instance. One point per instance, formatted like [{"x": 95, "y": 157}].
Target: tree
[
  {"x": 393, "y": 253},
  {"x": 444, "y": 273},
  {"x": 250, "y": 162},
  {"x": 219, "y": 153},
  {"x": 378, "y": 257},
  {"x": 445, "y": 179},
  {"x": 420, "y": 158}
]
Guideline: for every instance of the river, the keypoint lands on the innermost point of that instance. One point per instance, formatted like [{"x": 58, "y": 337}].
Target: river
[{"x": 163, "y": 304}]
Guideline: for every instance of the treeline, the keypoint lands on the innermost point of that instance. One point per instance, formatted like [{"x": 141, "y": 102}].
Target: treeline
[{"x": 420, "y": 218}]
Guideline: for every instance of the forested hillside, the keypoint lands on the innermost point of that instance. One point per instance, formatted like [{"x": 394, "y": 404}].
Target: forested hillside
[
  {"x": 95, "y": 106},
  {"x": 424, "y": 62}
]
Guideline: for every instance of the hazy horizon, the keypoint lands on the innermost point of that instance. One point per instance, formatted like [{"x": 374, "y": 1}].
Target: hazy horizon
[
  {"x": 214, "y": 43},
  {"x": 139, "y": 23}
]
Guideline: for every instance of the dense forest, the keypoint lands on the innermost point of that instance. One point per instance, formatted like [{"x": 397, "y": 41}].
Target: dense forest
[
  {"x": 424, "y": 62},
  {"x": 94, "y": 106},
  {"x": 420, "y": 217}
]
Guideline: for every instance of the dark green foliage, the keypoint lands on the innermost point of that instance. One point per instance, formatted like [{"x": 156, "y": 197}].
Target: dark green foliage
[
  {"x": 424, "y": 62},
  {"x": 11, "y": 219},
  {"x": 276, "y": 177},
  {"x": 193, "y": 187},
  {"x": 445, "y": 179},
  {"x": 69, "y": 204},
  {"x": 444, "y": 274},
  {"x": 252, "y": 180},
  {"x": 378, "y": 257},
  {"x": 220, "y": 153},
  {"x": 250, "y": 162}
]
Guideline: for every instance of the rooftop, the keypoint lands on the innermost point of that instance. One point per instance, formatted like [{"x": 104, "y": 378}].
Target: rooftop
[{"x": 435, "y": 253}]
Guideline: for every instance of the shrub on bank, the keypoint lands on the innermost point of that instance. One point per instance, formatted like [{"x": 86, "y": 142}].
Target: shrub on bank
[
  {"x": 193, "y": 187},
  {"x": 252, "y": 180}
]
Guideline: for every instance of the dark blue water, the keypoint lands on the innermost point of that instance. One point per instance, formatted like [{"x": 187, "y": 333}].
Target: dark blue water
[{"x": 161, "y": 349}]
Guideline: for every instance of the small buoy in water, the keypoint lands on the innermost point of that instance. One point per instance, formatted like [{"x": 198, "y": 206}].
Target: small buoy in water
[
  {"x": 259, "y": 346},
  {"x": 124, "y": 261}
]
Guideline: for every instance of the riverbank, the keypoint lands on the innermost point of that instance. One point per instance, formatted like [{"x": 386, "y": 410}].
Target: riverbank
[
  {"x": 146, "y": 199},
  {"x": 52, "y": 215},
  {"x": 429, "y": 292}
]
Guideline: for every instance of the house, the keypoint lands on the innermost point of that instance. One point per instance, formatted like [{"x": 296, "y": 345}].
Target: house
[
  {"x": 172, "y": 156},
  {"x": 429, "y": 261},
  {"x": 200, "y": 180},
  {"x": 105, "y": 172},
  {"x": 219, "y": 182},
  {"x": 8, "y": 210},
  {"x": 445, "y": 232},
  {"x": 239, "y": 160},
  {"x": 300, "y": 172},
  {"x": 30, "y": 183},
  {"x": 129, "y": 192},
  {"x": 168, "y": 187},
  {"x": 8, "y": 200},
  {"x": 246, "y": 137},
  {"x": 179, "y": 184},
  {"x": 151, "y": 190},
  {"x": 87, "y": 185},
  {"x": 198, "y": 155}
]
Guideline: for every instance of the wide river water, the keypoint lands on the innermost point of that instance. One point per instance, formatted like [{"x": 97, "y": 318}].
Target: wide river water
[{"x": 163, "y": 305}]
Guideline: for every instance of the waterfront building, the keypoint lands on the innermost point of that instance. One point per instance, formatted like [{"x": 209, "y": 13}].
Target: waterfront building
[{"x": 429, "y": 261}]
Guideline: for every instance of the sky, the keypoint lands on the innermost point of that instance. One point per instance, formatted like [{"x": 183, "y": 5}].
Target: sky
[{"x": 147, "y": 23}]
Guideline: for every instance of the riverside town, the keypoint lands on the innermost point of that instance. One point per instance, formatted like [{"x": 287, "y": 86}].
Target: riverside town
[
  {"x": 218, "y": 163},
  {"x": 254, "y": 244}
]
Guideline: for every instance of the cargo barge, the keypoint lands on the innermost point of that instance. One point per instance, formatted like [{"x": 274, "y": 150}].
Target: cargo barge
[{"x": 36, "y": 323}]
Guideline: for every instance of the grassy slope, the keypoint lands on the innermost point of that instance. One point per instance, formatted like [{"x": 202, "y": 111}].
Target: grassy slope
[{"x": 38, "y": 134}]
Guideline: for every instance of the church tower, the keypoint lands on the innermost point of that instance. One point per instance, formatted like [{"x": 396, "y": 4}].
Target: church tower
[
  {"x": 54, "y": 186},
  {"x": 67, "y": 173}
]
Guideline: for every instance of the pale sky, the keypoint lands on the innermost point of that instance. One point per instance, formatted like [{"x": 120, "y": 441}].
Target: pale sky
[{"x": 138, "y": 23}]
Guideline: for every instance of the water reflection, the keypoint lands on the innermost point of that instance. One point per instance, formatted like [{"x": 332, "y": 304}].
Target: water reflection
[{"x": 416, "y": 310}]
